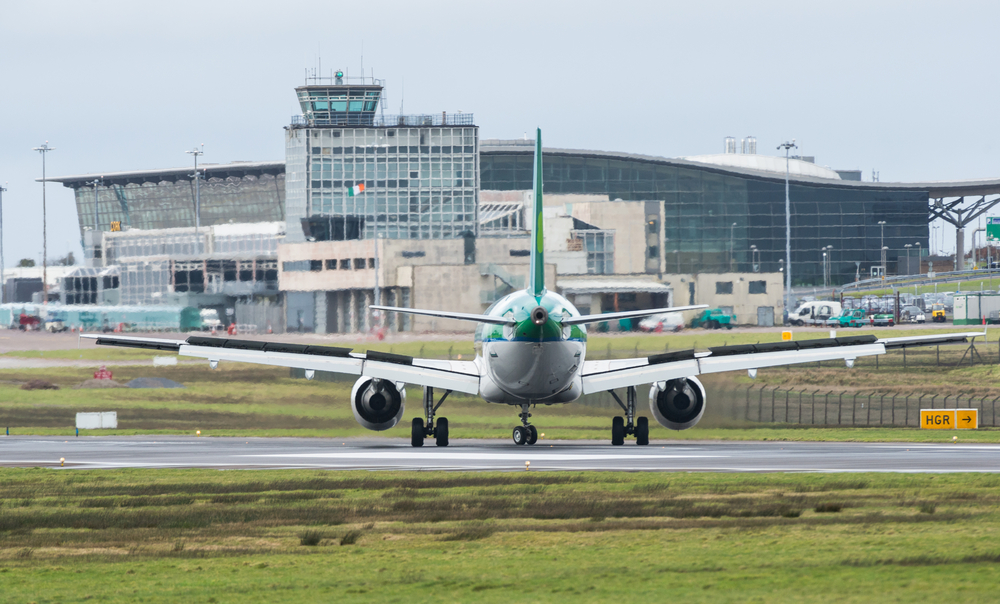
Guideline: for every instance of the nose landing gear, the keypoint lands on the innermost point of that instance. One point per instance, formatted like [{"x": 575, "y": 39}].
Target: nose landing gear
[
  {"x": 525, "y": 434},
  {"x": 630, "y": 424},
  {"x": 420, "y": 430}
]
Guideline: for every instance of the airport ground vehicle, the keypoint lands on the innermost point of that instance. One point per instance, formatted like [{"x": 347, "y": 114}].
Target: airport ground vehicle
[
  {"x": 56, "y": 323},
  {"x": 938, "y": 313},
  {"x": 713, "y": 318},
  {"x": 670, "y": 321},
  {"x": 815, "y": 312}
]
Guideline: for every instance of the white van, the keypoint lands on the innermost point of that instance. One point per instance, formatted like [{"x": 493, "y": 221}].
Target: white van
[{"x": 815, "y": 312}]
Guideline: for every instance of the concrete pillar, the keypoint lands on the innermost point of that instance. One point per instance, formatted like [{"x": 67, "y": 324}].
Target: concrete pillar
[
  {"x": 960, "y": 249},
  {"x": 351, "y": 320},
  {"x": 320, "y": 303}
]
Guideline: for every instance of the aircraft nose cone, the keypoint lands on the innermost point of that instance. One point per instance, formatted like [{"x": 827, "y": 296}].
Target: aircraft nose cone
[{"x": 539, "y": 316}]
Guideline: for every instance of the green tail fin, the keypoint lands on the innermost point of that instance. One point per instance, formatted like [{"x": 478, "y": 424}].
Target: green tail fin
[{"x": 536, "y": 286}]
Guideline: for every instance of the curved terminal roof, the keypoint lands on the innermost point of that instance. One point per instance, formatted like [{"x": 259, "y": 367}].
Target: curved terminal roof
[
  {"x": 237, "y": 169},
  {"x": 765, "y": 163},
  {"x": 935, "y": 189}
]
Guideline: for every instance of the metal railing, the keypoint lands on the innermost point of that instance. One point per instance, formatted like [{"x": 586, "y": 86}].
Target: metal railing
[
  {"x": 385, "y": 121},
  {"x": 908, "y": 280}
]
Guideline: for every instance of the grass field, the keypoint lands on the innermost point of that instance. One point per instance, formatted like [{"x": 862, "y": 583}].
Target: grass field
[{"x": 305, "y": 536}]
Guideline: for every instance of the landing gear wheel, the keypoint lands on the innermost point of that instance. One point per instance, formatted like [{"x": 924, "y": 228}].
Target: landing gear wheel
[
  {"x": 441, "y": 432},
  {"x": 532, "y": 435},
  {"x": 618, "y": 430},
  {"x": 417, "y": 432},
  {"x": 520, "y": 435},
  {"x": 642, "y": 430}
]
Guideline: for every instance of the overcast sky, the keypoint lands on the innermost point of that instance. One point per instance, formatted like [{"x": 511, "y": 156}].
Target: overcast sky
[{"x": 904, "y": 88}]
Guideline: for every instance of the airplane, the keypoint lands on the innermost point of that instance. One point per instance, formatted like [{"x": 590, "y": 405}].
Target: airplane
[{"x": 531, "y": 350}]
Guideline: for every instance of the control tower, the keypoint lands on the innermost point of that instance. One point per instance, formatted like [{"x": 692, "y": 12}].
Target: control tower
[
  {"x": 354, "y": 173},
  {"x": 340, "y": 104}
]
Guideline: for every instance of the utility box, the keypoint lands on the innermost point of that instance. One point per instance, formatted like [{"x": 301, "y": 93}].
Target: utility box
[
  {"x": 101, "y": 420},
  {"x": 974, "y": 308}
]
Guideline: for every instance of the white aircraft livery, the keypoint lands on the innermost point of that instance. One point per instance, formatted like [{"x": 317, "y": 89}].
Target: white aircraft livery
[{"x": 531, "y": 350}]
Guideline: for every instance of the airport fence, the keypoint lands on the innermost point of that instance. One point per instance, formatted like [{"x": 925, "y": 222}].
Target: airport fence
[{"x": 821, "y": 407}]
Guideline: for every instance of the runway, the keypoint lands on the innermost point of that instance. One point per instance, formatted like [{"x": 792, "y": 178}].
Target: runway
[{"x": 478, "y": 455}]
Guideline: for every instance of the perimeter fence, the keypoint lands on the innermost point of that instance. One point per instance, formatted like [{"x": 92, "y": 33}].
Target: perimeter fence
[{"x": 821, "y": 407}]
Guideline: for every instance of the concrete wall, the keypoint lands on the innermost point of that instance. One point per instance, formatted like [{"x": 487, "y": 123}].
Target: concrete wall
[
  {"x": 627, "y": 219},
  {"x": 743, "y": 303},
  {"x": 457, "y": 290}
]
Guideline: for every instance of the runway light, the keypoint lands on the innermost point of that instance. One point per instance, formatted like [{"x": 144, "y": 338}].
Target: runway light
[
  {"x": 197, "y": 432},
  {"x": 527, "y": 466},
  {"x": 62, "y": 460},
  {"x": 542, "y": 435},
  {"x": 954, "y": 439}
]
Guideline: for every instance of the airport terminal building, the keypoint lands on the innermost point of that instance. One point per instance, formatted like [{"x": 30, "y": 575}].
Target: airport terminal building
[{"x": 368, "y": 205}]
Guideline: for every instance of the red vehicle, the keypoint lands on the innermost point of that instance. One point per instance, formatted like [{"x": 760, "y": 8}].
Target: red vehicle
[{"x": 29, "y": 322}]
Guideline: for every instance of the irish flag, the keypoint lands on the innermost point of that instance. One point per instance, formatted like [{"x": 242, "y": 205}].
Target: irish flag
[{"x": 356, "y": 189}]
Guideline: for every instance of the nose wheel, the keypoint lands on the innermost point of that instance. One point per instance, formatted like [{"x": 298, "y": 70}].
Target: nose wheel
[{"x": 525, "y": 434}]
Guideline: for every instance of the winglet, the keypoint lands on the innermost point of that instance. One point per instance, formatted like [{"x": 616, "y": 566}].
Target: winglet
[{"x": 536, "y": 285}]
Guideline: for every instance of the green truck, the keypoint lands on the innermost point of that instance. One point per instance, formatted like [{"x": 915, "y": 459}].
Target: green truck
[{"x": 713, "y": 318}]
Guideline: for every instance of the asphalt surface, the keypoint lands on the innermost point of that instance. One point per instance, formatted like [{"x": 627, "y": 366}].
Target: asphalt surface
[{"x": 396, "y": 454}]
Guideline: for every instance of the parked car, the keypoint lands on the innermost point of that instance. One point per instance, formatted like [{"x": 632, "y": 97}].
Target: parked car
[
  {"x": 849, "y": 317},
  {"x": 668, "y": 321},
  {"x": 912, "y": 314},
  {"x": 884, "y": 320}
]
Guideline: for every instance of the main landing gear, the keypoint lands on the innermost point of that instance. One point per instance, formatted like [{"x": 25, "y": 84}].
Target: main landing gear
[
  {"x": 420, "y": 430},
  {"x": 630, "y": 424},
  {"x": 525, "y": 434}
]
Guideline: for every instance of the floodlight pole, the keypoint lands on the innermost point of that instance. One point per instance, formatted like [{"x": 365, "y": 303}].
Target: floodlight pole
[
  {"x": 882, "y": 247},
  {"x": 2, "y": 288},
  {"x": 197, "y": 189},
  {"x": 44, "y": 150},
  {"x": 788, "y": 227}
]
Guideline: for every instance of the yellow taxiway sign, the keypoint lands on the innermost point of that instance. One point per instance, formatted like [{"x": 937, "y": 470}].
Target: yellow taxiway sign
[{"x": 949, "y": 419}]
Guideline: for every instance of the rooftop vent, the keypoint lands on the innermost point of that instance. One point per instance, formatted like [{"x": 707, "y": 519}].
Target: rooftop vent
[
  {"x": 730, "y": 145},
  {"x": 749, "y": 145}
]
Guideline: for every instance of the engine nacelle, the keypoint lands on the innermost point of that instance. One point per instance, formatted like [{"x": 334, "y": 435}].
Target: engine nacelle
[
  {"x": 677, "y": 404},
  {"x": 377, "y": 404}
]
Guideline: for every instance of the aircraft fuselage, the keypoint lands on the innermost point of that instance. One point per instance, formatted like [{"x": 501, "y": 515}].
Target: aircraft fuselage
[{"x": 534, "y": 359}]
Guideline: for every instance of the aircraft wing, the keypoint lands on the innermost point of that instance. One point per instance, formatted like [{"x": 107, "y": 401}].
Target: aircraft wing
[
  {"x": 620, "y": 373},
  {"x": 459, "y": 376}
]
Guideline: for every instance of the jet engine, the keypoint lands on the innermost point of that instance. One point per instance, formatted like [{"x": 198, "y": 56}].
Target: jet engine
[
  {"x": 377, "y": 404},
  {"x": 677, "y": 404}
]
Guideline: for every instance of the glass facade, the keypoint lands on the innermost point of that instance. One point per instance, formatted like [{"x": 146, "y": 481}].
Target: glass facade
[
  {"x": 169, "y": 204},
  {"x": 419, "y": 183},
  {"x": 701, "y": 205}
]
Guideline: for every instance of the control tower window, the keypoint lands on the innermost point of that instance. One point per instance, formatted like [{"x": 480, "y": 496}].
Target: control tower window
[
  {"x": 338, "y": 106},
  {"x": 354, "y": 105}
]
